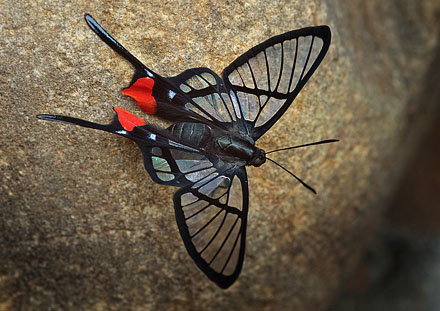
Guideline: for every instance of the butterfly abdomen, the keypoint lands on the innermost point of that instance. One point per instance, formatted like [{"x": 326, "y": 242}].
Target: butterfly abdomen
[{"x": 195, "y": 134}]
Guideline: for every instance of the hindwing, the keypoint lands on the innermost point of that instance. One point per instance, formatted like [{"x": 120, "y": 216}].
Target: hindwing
[{"x": 212, "y": 216}]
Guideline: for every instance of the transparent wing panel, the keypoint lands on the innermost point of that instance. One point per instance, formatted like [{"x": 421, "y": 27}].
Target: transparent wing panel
[
  {"x": 208, "y": 96},
  {"x": 267, "y": 78},
  {"x": 173, "y": 166},
  {"x": 212, "y": 221}
]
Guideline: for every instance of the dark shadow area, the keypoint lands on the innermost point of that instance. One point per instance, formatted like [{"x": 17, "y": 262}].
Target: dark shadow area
[
  {"x": 401, "y": 268},
  {"x": 400, "y": 271}
]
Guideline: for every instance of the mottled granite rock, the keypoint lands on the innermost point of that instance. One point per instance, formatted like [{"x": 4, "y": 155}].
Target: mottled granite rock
[{"x": 83, "y": 227}]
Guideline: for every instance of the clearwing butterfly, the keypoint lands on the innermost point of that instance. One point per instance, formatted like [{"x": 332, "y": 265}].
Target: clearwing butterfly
[{"x": 215, "y": 124}]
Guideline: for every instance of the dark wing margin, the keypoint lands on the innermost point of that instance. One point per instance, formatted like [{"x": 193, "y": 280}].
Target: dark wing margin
[
  {"x": 154, "y": 94},
  {"x": 168, "y": 161},
  {"x": 141, "y": 69},
  {"x": 267, "y": 78},
  {"x": 175, "y": 164},
  {"x": 196, "y": 94},
  {"x": 212, "y": 217}
]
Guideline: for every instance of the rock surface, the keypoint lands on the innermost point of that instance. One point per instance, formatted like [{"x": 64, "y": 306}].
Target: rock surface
[{"x": 82, "y": 227}]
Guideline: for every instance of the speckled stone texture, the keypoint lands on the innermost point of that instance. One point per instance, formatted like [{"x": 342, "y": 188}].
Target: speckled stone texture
[{"x": 82, "y": 226}]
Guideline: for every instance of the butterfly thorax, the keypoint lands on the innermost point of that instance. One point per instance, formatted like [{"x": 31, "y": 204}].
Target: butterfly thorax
[{"x": 223, "y": 143}]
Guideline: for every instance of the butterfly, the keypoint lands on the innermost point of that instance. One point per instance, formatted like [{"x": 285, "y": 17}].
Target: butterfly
[{"x": 215, "y": 125}]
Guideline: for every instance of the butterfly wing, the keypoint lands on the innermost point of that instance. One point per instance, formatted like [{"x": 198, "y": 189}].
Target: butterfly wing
[
  {"x": 256, "y": 89},
  {"x": 197, "y": 94},
  {"x": 212, "y": 216},
  {"x": 211, "y": 205},
  {"x": 168, "y": 161},
  {"x": 267, "y": 78}
]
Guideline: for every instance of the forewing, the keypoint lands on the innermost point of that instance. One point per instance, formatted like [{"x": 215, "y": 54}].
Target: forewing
[
  {"x": 168, "y": 161},
  {"x": 168, "y": 97},
  {"x": 171, "y": 162},
  {"x": 268, "y": 77},
  {"x": 212, "y": 216}
]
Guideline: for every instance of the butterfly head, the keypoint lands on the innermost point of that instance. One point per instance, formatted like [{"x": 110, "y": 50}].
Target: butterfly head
[{"x": 258, "y": 158}]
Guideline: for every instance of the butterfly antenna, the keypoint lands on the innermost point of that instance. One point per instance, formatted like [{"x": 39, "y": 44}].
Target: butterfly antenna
[
  {"x": 306, "y": 145},
  {"x": 297, "y": 178}
]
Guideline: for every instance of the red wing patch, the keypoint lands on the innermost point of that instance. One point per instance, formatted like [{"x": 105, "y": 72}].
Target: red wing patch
[
  {"x": 141, "y": 91},
  {"x": 128, "y": 120}
]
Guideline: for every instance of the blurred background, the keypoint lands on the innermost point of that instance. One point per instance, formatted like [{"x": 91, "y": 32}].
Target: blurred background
[{"x": 400, "y": 269}]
